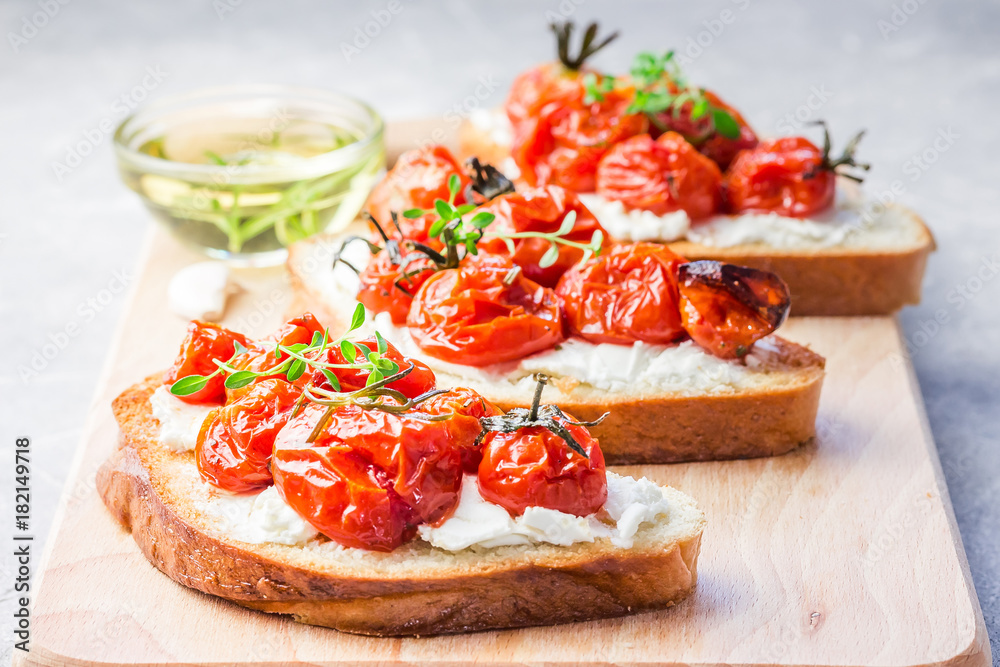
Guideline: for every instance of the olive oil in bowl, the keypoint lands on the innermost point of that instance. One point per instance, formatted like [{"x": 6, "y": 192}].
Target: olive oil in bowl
[{"x": 242, "y": 173}]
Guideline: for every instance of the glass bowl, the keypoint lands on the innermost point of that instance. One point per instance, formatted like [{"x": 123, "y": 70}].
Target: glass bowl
[{"x": 241, "y": 172}]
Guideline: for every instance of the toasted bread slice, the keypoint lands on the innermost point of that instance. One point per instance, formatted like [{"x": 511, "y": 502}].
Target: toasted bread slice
[
  {"x": 769, "y": 411},
  {"x": 417, "y": 589},
  {"x": 834, "y": 280}
]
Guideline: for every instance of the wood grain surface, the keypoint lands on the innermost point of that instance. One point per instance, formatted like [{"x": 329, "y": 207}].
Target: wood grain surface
[{"x": 844, "y": 552}]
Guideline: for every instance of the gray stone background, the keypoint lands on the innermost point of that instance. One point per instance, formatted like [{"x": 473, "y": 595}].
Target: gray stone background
[{"x": 923, "y": 76}]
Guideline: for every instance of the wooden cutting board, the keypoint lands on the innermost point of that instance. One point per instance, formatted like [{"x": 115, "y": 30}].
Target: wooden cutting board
[{"x": 844, "y": 552}]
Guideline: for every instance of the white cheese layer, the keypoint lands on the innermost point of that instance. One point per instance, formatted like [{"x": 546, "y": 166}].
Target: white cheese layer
[
  {"x": 259, "y": 518},
  {"x": 180, "y": 422},
  {"x": 478, "y": 523},
  {"x": 852, "y": 222},
  {"x": 637, "y": 224},
  {"x": 266, "y": 518}
]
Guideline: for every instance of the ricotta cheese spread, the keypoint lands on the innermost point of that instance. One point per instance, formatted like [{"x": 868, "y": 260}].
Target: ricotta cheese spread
[
  {"x": 259, "y": 518},
  {"x": 199, "y": 291},
  {"x": 266, "y": 518},
  {"x": 478, "y": 523},
  {"x": 180, "y": 422},
  {"x": 848, "y": 223},
  {"x": 637, "y": 224}
]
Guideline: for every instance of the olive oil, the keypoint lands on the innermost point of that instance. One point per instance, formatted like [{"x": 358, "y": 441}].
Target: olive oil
[{"x": 242, "y": 188}]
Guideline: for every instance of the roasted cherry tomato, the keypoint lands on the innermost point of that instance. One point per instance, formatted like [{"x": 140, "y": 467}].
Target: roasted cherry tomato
[
  {"x": 534, "y": 467},
  {"x": 418, "y": 178},
  {"x": 557, "y": 83},
  {"x": 627, "y": 295},
  {"x": 235, "y": 444},
  {"x": 342, "y": 495},
  {"x": 483, "y": 313},
  {"x": 418, "y": 381},
  {"x": 468, "y": 407},
  {"x": 540, "y": 210},
  {"x": 563, "y": 144},
  {"x": 413, "y": 459},
  {"x": 204, "y": 343},
  {"x": 387, "y": 287},
  {"x": 260, "y": 355},
  {"x": 727, "y": 308},
  {"x": 788, "y": 176},
  {"x": 660, "y": 176},
  {"x": 702, "y": 134}
]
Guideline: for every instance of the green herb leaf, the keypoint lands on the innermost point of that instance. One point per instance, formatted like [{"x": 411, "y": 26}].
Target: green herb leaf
[
  {"x": 189, "y": 385},
  {"x": 444, "y": 209},
  {"x": 383, "y": 347},
  {"x": 550, "y": 257},
  {"x": 347, "y": 349},
  {"x": 240, "y": 379},
  {"x": 412, "y": 213},
  {"x": 725, "y": 124},
  {"x": 316, "y": 339},
  {"x": 482, "y": 220},
  {"x": 437, "y": 227},
  {"x": 331, "y": 378},
  {"x": 567, "y": 224},
  {"x": 295, "y": 370},
  {"x": 373, "y": 377},
  {"x": 454, "y": 183},
  {"x": 699, "y": 109},
  {"x": 358, "y": 318},
  {"x": 239, "y": 348}
]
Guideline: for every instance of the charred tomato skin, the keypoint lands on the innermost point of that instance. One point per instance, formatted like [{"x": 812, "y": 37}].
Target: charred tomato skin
[{"x": 727, "y": 308}]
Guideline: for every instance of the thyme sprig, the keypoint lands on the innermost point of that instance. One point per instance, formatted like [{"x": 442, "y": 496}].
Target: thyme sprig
[
  {"x": 461, "y": 237},
  {"x": 547, "y": 416},
  {"x": 652, "y": 76},
  {"x": 373, "y": 397},
  {"x": 292, "y": 361}
]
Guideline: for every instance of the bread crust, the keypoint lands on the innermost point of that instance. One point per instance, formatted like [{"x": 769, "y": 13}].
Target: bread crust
[
  {"x": 584, "y": 583},
  {"x": 666, "y": 428},
  {"x": 823, "y": 282}
]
